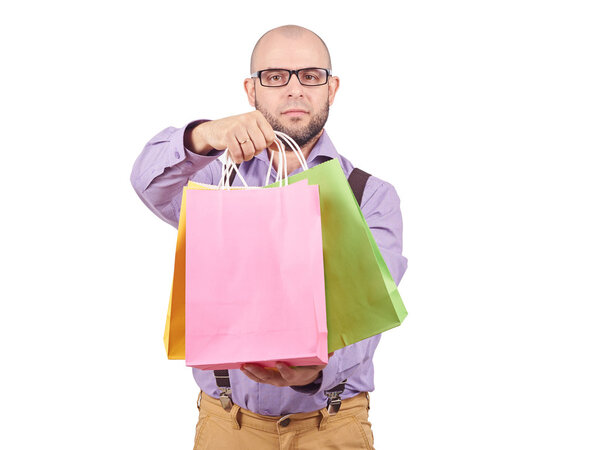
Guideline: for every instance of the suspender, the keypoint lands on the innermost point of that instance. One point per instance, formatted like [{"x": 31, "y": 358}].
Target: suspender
[
  {"x": 357, "y": 180},
  {"x": 224, "y": 385},
  {"x": 233, "y": 174}
]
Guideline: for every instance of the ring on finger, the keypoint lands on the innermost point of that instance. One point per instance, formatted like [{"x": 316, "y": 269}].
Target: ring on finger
[{"x": 244, "y": 141}]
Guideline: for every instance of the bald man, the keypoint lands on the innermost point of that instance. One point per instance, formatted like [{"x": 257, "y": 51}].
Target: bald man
[{"x": 291, "y": 88}]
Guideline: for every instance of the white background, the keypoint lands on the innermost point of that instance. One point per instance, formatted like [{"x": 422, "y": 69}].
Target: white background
[{"x": 485, "y": 117}]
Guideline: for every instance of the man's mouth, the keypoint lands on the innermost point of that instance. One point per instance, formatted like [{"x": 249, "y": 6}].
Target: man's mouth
[{"x": 294, "y": 112}]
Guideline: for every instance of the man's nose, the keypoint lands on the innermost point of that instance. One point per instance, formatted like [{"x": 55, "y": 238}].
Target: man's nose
[{"x": 294, "y": 86}]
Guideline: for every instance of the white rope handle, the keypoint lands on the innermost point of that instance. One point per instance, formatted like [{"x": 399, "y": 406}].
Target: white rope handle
[
  {"x": 282, "y": 174},
  {"x": 280, "y": 145},
  {"x": 294, "y": 147},
  {"x": 281, "y": 168},
  {"x": 226, "y": 170}
]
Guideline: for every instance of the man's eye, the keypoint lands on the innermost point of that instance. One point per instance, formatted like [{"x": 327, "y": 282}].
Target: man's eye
[{"x": 311, "y": 77}]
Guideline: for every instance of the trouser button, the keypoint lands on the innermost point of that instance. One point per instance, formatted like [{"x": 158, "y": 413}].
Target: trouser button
[{"x": 285, "y": 422}]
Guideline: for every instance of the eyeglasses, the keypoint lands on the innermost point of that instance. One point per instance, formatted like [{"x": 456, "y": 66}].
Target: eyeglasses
[{"x": 311, "y": 76}]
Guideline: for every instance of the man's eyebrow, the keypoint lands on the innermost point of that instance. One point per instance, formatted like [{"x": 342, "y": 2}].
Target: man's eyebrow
[
  {"x": 272, "y": 68},
  {"x": 283, "y": 68}
]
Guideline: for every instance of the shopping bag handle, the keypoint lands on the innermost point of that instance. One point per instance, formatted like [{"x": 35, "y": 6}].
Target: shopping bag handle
[
  {"x": 280, "y": 145},
  {"x": 227, "y": 168},
  {"x": 282, "y": 176},
  {"x": 294, "y": 147}
]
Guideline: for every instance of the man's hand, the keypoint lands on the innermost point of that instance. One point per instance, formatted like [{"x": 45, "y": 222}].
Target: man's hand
[
  {"x": 284, "y": 376},
  {"x": 245, "y": 135}
]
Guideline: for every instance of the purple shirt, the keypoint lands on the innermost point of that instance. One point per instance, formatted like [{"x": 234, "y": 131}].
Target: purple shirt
[{"x": 158, "y": 176}]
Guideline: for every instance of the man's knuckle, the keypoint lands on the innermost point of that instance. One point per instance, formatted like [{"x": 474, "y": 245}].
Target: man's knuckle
[{"x": 230, "y": 135}]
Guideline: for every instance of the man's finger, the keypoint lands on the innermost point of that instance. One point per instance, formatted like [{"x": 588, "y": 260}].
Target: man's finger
[
  {"x": 259, "y": 372},
  {"x": 257, "y": 139},
  {"x": 264, "y": 375},
  {"x": 235, "y": 150},
  {"x": 266, "y": 129},
  {"x": 251, "y": 376},
  {"x": 287, "y": 373},
  {"x": 248, "y": 149}
]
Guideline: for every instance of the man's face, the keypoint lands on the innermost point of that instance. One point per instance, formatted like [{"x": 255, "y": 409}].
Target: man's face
[{"x": 297, "y": 110}]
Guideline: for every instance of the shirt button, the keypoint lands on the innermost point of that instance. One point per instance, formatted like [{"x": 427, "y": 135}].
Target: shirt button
[
  {"x": 177, "y": 155},
  {"x": 285, "y": 422}
]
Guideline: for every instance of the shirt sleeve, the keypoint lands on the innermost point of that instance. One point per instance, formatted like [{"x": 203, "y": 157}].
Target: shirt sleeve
[
  {"x": 164, "y": 167},
  {"x": 381, "y": 209}
]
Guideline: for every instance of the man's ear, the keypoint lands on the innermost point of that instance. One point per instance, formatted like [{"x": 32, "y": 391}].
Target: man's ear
[
  {"x": 249, "y": 87},
  {"x": 333, "y": 86}
]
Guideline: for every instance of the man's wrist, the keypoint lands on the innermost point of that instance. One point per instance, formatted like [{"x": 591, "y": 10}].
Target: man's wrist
[
  {"x": 312, "y": 387},
  {"x": 193, "y": 139}
]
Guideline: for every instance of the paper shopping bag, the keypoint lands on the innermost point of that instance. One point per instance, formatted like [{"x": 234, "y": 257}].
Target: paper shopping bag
[
  {"x": 174, "y": 336},
  {"x": 362, "y": 297},
  {"x": 254, "y": 282}
]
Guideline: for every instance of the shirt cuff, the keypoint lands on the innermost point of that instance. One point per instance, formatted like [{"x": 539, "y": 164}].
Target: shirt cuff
[
  {"x": 182, "y": 154},
  {"x": 311, "y": 388}
]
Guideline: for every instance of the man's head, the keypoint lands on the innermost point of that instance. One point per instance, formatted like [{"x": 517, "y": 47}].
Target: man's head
[{"x": 298, "y": 110}]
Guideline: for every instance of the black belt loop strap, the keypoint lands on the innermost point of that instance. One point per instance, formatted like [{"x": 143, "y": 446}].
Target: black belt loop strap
[
  {"x": 357, "y": 180},
  {"x": 224, "y": 385}
]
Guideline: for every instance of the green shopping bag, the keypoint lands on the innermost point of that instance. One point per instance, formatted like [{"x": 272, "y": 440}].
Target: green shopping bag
[{"x": 362, "y": 297}]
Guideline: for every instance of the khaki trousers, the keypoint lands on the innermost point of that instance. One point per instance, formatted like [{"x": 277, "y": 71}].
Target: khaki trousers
[{"x": 241, "y": 429}]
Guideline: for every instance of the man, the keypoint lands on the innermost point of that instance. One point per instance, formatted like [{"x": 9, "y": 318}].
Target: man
[{"x": 285, "y": 408}]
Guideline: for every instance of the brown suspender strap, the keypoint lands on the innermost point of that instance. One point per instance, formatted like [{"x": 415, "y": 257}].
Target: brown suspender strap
[
  {"x": 233, "y": 174},
  {"x": 334, "y": 402},
  {"x": 224, "y": 385},
  {"x": 357, "y": 181}
]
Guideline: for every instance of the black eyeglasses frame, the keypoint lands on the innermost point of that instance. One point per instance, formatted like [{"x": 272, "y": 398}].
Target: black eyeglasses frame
[{"x": 292, "y": 72}]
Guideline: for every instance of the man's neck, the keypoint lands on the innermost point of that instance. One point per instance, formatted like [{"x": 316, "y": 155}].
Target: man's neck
[{"x": 292, "y": 159}]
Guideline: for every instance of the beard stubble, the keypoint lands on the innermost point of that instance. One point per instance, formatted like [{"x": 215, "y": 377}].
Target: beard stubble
[{"x": 302, "y": 135}]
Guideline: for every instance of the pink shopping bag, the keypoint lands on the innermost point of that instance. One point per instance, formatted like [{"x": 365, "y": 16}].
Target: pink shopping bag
[{"x": 254, "y": 283}]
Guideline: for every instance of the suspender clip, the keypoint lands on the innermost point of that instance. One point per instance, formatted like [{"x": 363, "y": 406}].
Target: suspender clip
[
  {"x": 225, "y": 397},
  {"x": 224, "y": 385},
  {"x": 334, "y": 402}
]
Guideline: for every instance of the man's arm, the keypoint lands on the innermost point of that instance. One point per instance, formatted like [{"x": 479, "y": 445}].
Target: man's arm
[
  {"x": 164, "y": 167},
  {"x": 381, "y": 208},
  {"x": 174, "y": 155}
]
